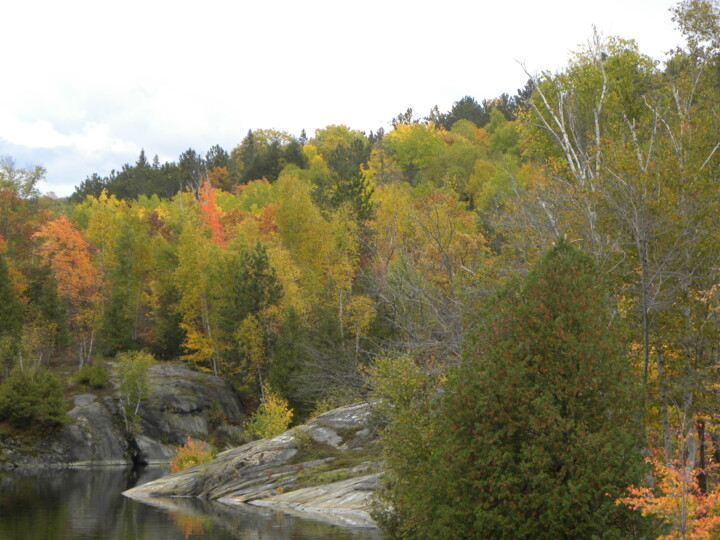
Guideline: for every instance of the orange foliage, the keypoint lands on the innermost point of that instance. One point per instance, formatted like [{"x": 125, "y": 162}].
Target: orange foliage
[
  {"x": 67, "y": 253},
  {"x": 211, "y": 213},
  {"x": 191, "y": 454},
  {"x": 677, "y": 501},
  {"x": 266, "y": 219}
]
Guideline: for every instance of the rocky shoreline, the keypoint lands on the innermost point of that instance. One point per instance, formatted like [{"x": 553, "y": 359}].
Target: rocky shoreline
[
  {"x": 326, "y": 469},
  {"x": 182, "y": 403}
]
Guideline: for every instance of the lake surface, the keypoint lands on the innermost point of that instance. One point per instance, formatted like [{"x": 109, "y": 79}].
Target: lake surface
[{"x": 87, "y": 504}]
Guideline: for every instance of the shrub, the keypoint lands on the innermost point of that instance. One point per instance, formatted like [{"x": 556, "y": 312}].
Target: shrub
[
  {"x": 191, "y": 454},
  {"x": 272, "y": 417},
  {"x": 93, "y": 375},
  {"x": 31, "y": 397},
  {"x": 216, "y": 415}
]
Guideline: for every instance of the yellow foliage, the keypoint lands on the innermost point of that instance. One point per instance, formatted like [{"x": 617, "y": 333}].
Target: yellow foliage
[
  {"x": 272, "y": 418},
  {"x": 251, "y": 343},
  {"x": 289, "y": 275},
  {"x": 360, "y": 311}
]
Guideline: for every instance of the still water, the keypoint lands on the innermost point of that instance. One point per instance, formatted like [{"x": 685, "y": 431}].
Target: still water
[{"x": 87, "y": 504}]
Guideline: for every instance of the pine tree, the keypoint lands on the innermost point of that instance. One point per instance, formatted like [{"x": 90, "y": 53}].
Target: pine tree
[{"x": 539, "y": 432}]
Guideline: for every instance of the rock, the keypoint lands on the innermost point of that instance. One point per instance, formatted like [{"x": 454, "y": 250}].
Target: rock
[
  {"x": 327, "y": 468},
  {"x": 181, "y": 404},
  {"x": 92, "y": 435},
  {"x": 151, "y": 452},
  {"x": 345, "y": 501}
]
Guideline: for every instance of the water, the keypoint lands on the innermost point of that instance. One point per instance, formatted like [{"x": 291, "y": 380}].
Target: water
[{"x": 87, "y": 504}]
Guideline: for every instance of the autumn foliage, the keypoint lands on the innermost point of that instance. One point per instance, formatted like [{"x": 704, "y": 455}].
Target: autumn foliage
[
  {"x": 190, "y": 454},
  {"x": 676, "y": 500}
]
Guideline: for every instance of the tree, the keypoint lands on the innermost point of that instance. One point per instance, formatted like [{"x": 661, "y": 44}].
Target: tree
[
  {"x": 134, "y": 373},
  {"x": 263, "y": 154},
  {"x": 196, "y": 280},
  {"x": 289, "y": 355},
  {"x": 538, "y": 431},
  {"x": 32, "y": 398},
  {"x": 11, "y": 316},
  {"x": 66, "y": 252},
  {"x": 23, "y": 182}
]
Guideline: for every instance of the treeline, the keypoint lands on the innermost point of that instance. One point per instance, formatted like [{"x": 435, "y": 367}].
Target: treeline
[
  {"x": 304, "y": 264},
  {"x": 265, "y": 153}
]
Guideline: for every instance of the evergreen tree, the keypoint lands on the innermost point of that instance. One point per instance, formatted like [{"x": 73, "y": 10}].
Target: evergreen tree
[
  {"x": 45, "y": 306},
  {"x": 539, "y": 432},
  {"x": 252, "y": 286},
  {"x": 11, "y": 316},
  {"x": 289, "y": 355},
  {"x": 169, "y": 335}
]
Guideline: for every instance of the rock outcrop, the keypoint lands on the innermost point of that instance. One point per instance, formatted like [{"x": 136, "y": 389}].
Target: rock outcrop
[
  {"x": 182, "y": 403},
  {"x": 327, "y": 469}
]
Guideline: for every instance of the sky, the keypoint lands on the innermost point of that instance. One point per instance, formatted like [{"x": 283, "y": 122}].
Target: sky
[{"x": 88, "y": 84}]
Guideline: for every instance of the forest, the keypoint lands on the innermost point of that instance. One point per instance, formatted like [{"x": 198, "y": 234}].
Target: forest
[{"x": 529, "y": 283}]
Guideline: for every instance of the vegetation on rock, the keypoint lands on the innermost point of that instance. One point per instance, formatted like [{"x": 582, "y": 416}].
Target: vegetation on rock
[{"x": 190, "y": 454}]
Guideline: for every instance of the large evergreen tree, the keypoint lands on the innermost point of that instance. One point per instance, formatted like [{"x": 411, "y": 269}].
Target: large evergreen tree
[{"x": 538, "y": 433}]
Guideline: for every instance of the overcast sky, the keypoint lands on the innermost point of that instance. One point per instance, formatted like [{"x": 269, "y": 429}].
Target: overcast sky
[{"x": 87, "y": 84}]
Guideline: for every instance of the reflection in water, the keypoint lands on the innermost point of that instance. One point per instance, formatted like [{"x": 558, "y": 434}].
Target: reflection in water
[{"x": 87, "y": 504}]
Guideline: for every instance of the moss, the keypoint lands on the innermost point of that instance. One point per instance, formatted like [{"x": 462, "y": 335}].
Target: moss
[
  {"x": 310, "y": 450},
  {"x": 342, "y": 468},
  {"x": 337, "y": 468}
]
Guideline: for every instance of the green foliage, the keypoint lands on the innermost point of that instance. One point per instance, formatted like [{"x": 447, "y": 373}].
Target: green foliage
[
  {"x": 31, "y": 398},
  {"x": 216, "y": 415},
  {"x": 133, "y": 370},
  {"x": 116, "y": 329},
  {"x": 272, "y": 418},
  {"x": 289, "y": 355},
  {"x": 93, "y": 375},
  {"x": 264, "y": 153},
  {"x": 11, "y": 314},
  {"x": 252, "y": 285},
  {"x": 45, "y": 306},
  {"x": 538, "y": 432},
  {"x": 168, "y": 333},
  {"x": 191, "y": 454},
  {"x": 406, "y": 395}
]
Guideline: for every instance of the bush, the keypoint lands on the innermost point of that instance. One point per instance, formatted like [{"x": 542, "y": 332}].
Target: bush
[
  {"x": 272, "y": 417},
  {"x": 31, "y": 397},
  {"x": 216, "y": 415},
  {"x": 93, "y": 375},
  {"x": 191, "y": 454}
]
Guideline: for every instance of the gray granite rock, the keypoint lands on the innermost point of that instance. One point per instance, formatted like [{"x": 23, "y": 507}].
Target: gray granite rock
[
  {"x": 276, "y": 472},
  {"x": 180, "y": 405}
]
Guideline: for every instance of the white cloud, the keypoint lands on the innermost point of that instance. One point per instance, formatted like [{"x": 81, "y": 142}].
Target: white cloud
[
  {"x": 41, "y": 134},
  {"x": 96, "y": 81}
]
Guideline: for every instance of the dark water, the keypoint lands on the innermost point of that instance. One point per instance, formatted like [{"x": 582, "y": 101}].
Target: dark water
[{"x": 87, "y": 504}]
